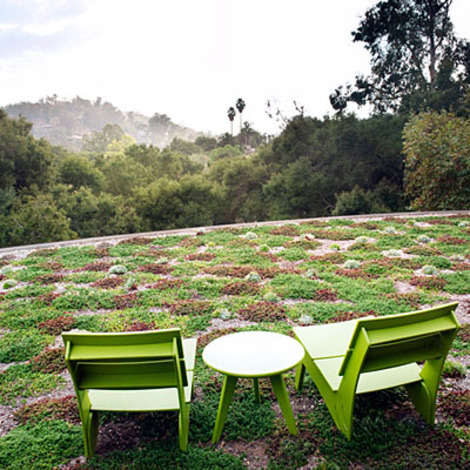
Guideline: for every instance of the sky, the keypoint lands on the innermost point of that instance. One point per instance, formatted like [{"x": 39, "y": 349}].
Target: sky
[{"x": 188, "y": 59}]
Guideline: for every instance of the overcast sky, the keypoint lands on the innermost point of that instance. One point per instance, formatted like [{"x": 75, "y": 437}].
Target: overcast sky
[{"x": 185, "y": 58}]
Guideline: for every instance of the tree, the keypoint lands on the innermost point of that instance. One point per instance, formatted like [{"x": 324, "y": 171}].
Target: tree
[
  {"x": 93, "y": 215},
  {"x": 437, "y": 161},
  {"x": 231, "y": 115},
  {"x": 77, "y": 171},
  {"x": 415, "y": 58},
  {"x": 206, "y": 143},
  {"x": 24, "y": 160},
  {"x": 36, "y": 219},
  {"x": 98, "y": 141},
  {"x": 240, "y": 105}
]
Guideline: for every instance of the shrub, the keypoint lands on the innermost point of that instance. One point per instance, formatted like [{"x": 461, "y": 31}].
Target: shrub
[
  {"x": 108, "y": 282},
  {"x": 64, "y": 408},
  {"x": 423, "y": 239},
  {"x": 241, "y": 288},
  {"x": 49, "y": 361},
  {"x": 351, "y": 264},
  {"x": 263, "y": 311},
  {"x": 55, "y": 326},
  {"x": 163, "y": 284},
  {"x": 190, "y": 307},
  {"x": 430, "y": 270},
  {"x": 253, "y": 277},
  {"x": 125, "y": 300},
  {"x": 96, "y": 266},
  {"x": 117, "y": 269},
  {"x": 453, "y": 369},
  {"x": 428, "y": 282},
  {"x": 9, "y": 284},
  {"x": 155, "y": 268},
  {"x": 286, "y": 230}
]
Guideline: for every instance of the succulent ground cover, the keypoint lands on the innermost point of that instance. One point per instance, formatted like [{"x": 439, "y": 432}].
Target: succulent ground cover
[{"x": 214, "y": 283}]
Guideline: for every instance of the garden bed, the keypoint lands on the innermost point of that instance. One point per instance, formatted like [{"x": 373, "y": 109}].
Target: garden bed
[{"x": 213, "y": 282}]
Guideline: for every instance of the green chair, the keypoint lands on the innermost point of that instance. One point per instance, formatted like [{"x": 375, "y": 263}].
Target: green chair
[
  {"x": 370, "y": 354},
  {"x": 132, "y": 372}
]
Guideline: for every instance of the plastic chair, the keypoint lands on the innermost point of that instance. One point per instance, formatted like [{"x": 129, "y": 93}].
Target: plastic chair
[
  {"x": 131, "y": 372},
  {"x": 366, "y": 355}
]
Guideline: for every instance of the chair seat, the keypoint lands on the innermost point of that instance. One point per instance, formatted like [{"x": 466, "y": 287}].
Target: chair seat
[
  {"x": 164, "y": 399},
  {"x": 369, "y": 381}
]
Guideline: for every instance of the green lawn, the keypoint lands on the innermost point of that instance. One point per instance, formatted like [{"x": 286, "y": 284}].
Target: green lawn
[{"x": 214, "y": 283}]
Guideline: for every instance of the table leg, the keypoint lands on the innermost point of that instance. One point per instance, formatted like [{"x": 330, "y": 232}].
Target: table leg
[
  {"x": 225, "y": 399},
  {"x": 256, "y": 390},
  {"x": 299, "y": 376},
  {"x": 283, "y": 398}
]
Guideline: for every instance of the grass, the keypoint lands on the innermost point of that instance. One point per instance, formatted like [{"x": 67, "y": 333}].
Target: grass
[{"x": 216, "y": 283}]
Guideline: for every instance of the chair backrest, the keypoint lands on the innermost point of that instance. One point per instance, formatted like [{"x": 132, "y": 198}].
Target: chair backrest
[
  {"x": 134, "y": 360},
  {"x": 404, "y": 338}
]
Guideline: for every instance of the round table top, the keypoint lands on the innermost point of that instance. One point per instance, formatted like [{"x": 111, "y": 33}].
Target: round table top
[{"x": 253, "y": 354}]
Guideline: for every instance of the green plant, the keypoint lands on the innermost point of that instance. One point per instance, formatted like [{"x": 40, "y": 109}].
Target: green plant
[
  {"x": 21, "y": 381},
  {"x": 351, "y": 264},
  {"x": 22, "y": 345},
  {"x": 41, "y": 446},
  {"x": 454, "y": 369},
  {"x": 117, "y": 269},
  {"x": 64, "y": 408},
  {"x": 253, "y": 277},
  {"x": 9, "y": 284},
  {"x": 423, "y": 239},
  {"x": 271, "y": 297},
  {"x": 263, "y": 311},
  {"x": 430, "y": 270}
]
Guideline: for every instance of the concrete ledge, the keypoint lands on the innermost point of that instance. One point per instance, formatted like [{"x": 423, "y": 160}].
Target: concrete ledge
[{"x": 194, "y": 230}]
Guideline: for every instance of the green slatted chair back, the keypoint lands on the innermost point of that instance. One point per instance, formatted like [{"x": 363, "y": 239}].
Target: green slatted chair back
[
  {"x": 138, "y": 360},
  {"x": 404, "y": 338}
]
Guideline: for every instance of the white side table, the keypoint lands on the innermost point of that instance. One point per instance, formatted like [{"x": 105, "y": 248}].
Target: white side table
[{"x": 253, "y": 354}]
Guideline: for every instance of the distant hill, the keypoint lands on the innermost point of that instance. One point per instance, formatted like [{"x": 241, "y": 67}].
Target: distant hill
[{"x": 65, "y": 123}]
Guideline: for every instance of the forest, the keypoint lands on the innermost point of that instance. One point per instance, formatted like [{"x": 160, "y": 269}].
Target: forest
[{"x": 412, "y": 152}]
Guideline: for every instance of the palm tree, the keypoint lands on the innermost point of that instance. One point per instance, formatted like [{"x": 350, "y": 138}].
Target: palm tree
[
  {"x": 240, "y": 106},
  {"x": 231, "y": 115}
]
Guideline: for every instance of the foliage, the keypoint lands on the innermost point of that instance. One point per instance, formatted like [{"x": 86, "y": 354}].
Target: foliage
[
  {"x": 41, "y": 446},
  {"x": 65, "y": 409},
  {"x": 35, "y": 219},
  {"x": 437, "y": 163},
  {"x": 415, "y": 58},
  {"x": 21, "y": 345},
  {"x": 21, "y": 381}
]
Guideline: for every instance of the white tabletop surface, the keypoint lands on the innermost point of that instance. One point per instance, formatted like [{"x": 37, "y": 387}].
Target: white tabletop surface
[{"x": 253, "y": 354}]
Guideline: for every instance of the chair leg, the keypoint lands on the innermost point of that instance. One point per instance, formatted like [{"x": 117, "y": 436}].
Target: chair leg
[
  {"x": 90, "y": 426},
  {"x": 299, "y": 376},
  {"x": 282, "y": 396},
  {"x": 422, "y": 400},
  {"x": 183, "y": 426},
  {"x": 225, "y": 399}
]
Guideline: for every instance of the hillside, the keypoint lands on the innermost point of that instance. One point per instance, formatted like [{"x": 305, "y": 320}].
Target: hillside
[{"x": 65, "y": 123}]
